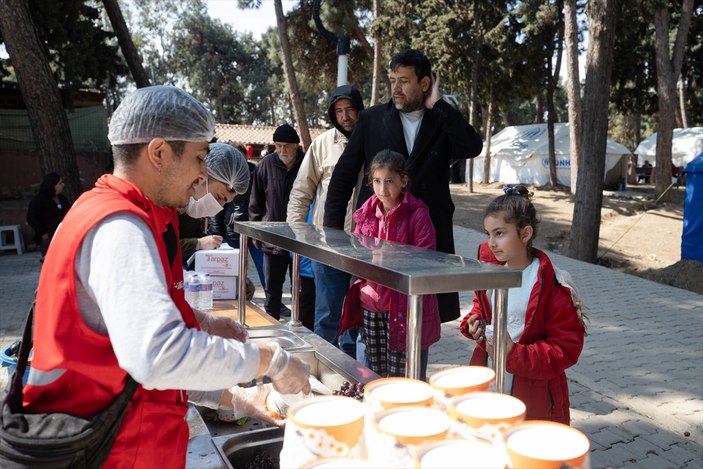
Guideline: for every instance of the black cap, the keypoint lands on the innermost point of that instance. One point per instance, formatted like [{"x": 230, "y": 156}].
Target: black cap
[{"x": 286, "y": 134}]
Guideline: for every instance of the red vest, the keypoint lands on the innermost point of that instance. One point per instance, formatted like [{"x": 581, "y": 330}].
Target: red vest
[{"x": 154, "y": 432}]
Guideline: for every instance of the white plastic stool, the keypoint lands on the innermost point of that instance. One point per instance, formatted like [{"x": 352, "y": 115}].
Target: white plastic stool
[{"x": 14, "y": 232}]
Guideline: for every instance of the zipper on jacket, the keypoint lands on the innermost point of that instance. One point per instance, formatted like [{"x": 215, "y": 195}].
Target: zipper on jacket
[{"x": 551, "y": 398}]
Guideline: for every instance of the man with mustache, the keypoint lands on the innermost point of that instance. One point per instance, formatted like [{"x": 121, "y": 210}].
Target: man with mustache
[
  {"x": 424, "y": 128},
  {"x": 311, "y": 184},
  {"x": 110, "y": 301}
]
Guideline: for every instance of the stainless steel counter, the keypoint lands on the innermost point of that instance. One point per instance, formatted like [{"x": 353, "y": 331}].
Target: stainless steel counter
[
  {"x": 407, "y": 269},
  {"x": 210, "y": 447}
]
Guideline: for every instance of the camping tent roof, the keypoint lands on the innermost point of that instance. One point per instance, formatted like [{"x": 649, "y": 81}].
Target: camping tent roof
[
  {"x": 521, "y": 142},
  {"x": 686, "y": 145}
]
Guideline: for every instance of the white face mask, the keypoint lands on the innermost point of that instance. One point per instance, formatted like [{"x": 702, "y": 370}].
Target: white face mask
[{"x": 206, "y": 206}]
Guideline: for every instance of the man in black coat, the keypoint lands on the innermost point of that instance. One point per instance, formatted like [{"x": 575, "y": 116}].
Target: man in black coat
[{"x": 419, "y": 124}]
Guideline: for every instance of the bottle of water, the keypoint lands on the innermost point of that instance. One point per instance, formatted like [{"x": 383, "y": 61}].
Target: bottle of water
[
  {"x": 186, "y": 287},
  {"x": 206, "y": 292},
  {"x": 195, "y": 289}
]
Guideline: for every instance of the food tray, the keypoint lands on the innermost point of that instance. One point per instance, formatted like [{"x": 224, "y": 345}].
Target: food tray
[{"x": 237, "y": 451}]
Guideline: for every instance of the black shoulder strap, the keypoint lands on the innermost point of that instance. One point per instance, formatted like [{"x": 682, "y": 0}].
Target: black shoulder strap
[{"x": 14, "y": 397}]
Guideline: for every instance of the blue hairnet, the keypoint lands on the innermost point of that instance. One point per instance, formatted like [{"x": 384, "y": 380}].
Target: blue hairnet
[
  {"x": 227, "y": 164},
  {"x": 160, "y": 111}
]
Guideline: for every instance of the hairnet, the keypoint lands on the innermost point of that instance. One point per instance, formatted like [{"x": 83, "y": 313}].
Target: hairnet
[
  {"x": 227, "y": 164},
  {"x": 160, "y": 111}
]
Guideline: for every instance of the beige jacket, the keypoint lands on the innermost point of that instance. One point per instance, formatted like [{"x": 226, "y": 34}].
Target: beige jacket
[{"x": 314, "y": 177}]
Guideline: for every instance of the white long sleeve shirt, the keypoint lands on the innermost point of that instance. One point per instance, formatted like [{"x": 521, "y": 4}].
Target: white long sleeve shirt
[{"x": 122, "y": 292}]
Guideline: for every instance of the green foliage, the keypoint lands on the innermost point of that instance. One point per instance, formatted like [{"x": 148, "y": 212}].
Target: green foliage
[
  {"x": 241, "y": 78},
  {"x": 81, "y": 51},
  {"x": 633, "y": 94},
  {"x": 222, "y": 69}
]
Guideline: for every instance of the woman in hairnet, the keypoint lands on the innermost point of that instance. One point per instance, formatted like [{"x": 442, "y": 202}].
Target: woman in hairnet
[{"x": 228, "y": 175}]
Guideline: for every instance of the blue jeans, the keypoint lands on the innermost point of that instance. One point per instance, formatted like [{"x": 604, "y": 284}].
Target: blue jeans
[
  {"x": 331, "y": 286},
  {"x": 257, "y": 255}
]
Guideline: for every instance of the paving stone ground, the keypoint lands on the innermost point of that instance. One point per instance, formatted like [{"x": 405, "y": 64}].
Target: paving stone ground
[{"x": 636, "y": 392}]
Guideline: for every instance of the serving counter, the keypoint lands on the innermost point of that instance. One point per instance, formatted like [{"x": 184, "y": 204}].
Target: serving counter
[
  {"x": 214, "y": 444},
  {"x": 407, "y": 269}
]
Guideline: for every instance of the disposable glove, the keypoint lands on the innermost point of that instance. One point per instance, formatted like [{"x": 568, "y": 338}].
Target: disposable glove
[
  {"x": 288, "y": 373},
  {"x": 224, "y": 327},
  {"x": 249, "y": 402}
]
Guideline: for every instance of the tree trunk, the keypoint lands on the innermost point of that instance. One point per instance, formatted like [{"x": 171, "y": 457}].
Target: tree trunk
[
  {"x": 295, "y": 97},
  {"x": 473, "y": 95},
  {"x": 589, "y": 190},
  {"x": 539, "y": 109},
  {"x": 573, "y": 87},
  {"x": 487, "y": 146},
  {"x": 129, "y": 50},
  {"x": 682, "y": 103},
  {"x": 377, "y": 58},
  {"x": 41, "y": 95},
  {"x": 668, "y": 69},
  {"x": 552, "y": 82}
]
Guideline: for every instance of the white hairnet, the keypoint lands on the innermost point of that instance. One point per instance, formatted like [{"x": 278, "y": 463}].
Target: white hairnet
[
  {"x": 227, "y": 164},
  {"x": 160, "y": 111}
]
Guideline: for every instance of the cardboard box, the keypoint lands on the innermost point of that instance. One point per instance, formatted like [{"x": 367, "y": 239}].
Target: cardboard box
[
  {"x": 224, "y": 287},
  {"x": 222, "y": 262}
]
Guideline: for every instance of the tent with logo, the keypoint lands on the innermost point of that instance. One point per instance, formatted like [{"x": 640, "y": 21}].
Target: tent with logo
[
  {"x": 685, "y": 146},
  {"x": 520, "y": 154},
  {"x": 691, "y": 245}
]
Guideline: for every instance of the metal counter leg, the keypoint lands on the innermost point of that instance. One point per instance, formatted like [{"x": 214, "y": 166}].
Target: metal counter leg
[{"x": 413, "y": 339}]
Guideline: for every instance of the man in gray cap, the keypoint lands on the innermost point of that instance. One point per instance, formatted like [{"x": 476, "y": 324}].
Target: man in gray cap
[
  {"x": 311, "y": 184},
  {"x": 273, "y": 181},
  {"x": 110, "y": 301}
]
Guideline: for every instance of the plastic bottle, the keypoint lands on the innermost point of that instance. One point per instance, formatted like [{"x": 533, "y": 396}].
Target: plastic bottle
[
  {"x": 186, "y": 287},
  {"x": 206, "y": 292},
  {"x": 195, "y": 288}
]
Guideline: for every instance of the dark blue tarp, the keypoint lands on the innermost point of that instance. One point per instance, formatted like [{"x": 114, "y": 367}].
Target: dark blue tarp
[{"x": 692, "y": 236}]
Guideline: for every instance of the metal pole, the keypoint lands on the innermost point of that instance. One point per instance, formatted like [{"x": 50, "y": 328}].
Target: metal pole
[
  {"x": 500, "y": 334},
  {"x": 242, "y": 297},
  {"x": 412, "y": 341},
  {"x": 342, "y": 70},
  {"x": 295, "y": 293}
]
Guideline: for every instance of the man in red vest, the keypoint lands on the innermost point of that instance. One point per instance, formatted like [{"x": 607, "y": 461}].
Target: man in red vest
[{"x": 110, "y": 300}]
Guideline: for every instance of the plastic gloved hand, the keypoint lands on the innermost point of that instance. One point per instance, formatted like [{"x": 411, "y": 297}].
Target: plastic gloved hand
[
  {"x": 209, "y": 242},
  {"x": 288, "y": 374},
  {"x": 224, "y": 327},
  {"x": 248, "y": 402}
]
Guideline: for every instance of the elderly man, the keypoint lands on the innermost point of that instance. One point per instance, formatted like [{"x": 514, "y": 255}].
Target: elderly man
[
  {"x": 110, "y": 302},
  {"x": 273, "y": 181},
  {"x": 428, "y": 131},
  {"x": 311, "y": 185}
]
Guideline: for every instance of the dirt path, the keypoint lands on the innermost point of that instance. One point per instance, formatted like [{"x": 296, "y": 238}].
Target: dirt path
[{"x": 635, "y": 236}]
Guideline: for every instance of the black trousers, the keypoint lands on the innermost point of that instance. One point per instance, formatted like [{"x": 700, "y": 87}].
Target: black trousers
[{"x": 275, "y": 268}]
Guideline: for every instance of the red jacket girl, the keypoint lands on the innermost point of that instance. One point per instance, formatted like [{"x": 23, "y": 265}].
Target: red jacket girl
[{"x": 550, "y": 343}]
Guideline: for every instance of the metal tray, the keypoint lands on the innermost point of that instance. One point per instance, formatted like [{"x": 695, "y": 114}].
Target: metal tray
[
  {"x": 287, "y": 339},
  {"x": 239, "y": 450}
]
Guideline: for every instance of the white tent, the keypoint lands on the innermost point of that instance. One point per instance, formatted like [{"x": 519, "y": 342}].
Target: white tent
[
  {"x": 520, "y": 154},
  {"x": 685, "y": 146}
]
